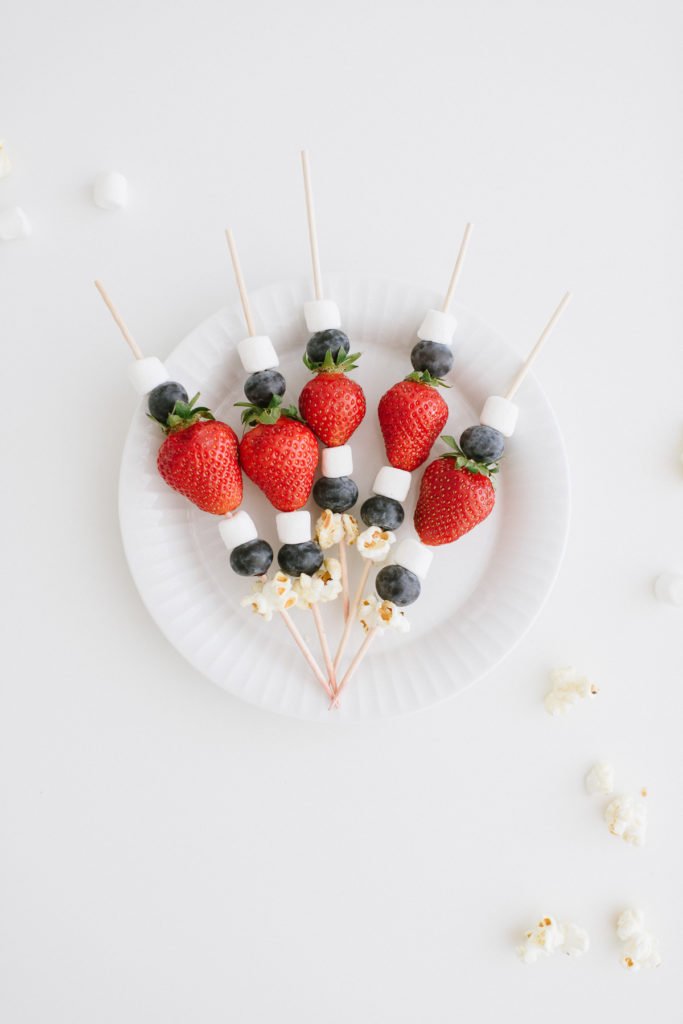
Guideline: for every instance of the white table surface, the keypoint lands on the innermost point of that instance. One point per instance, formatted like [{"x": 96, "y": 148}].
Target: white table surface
[{"x": 167, "y": 853}]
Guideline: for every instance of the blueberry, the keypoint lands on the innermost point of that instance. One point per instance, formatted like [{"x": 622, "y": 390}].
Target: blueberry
[
  {"x": 336, "y": 493},
  {"x": 297, "y": 558},
  {"x": 326, "y": 341},
  {"x": 387, "y": 513},
  {"x": 432, "y": 356},
  {"x": 483, "y": 444},
  {"x": 397, "y": 584},
  {"x": 252, "y": 558},
  {"x": 162, "y": 399},
  {"x": 260, "y": 387}
]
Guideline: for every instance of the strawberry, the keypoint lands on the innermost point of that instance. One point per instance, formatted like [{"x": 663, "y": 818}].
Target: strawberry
[
  {"x": 456, "y": 494},
  {"x": 412, "y": 414},
  {"x": 332, "y": 404},
  {"x": 279, "y": 454},
  {"x": 199, "y": 458}
]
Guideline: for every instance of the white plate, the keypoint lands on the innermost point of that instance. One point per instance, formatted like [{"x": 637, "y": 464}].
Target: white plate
[{"x": 483, "y": 592}]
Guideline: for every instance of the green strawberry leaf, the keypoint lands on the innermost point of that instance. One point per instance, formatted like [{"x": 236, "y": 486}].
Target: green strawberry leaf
[
  {"x": 425, "y": 377},
  {"x": 462, "y": 462}
]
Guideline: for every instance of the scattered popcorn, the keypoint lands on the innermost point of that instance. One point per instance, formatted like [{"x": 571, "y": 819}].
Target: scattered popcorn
[
  {"x": 324, "y": 586},
  {"x": 626, "y": 817},
  {"x": 14, "y": 224},
  {"x": 5, "y": 164},
  {"x": 568, "y": 687},
  {"x": 641, "y": 948},
  {"x": 374, "y": 543},
  {"x": 549, "y": 936},
  {"x": 376, "y": 614},
  {"x": 110, "y": 191},
  {"x": 276, "y": 595},
  {"x": 600, "y": 779}
]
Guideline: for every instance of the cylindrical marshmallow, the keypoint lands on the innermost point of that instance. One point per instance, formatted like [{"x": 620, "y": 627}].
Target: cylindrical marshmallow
[
  {"x": 413, "y": 555},
  {"x": 145, "y": 374},
  {"x": 110, "y": 191},
  {"x": 669, "y": 588},
  {"x": 293, "y": 527},
  {"x": 257, "y": 353},
  {"x": 321, "y": 315},
  {"x": 337, "y": 461},
  {"x": 392, "y": 483},
  {"x": 237, "y": 529},
  {"x": 14, "y": 224},
  {"x": 501, "y": 414},
  {"x": 437, "y": 326}
]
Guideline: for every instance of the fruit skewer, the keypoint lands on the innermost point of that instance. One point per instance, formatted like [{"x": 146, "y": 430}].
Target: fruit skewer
[{"x": 456, "y": 494}]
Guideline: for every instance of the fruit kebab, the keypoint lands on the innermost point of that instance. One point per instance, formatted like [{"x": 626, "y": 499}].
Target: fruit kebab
[
  {"x": 279, "y": 453},
  {"x": 456, "y": 494},
  {"x": 332, "y": 403}
]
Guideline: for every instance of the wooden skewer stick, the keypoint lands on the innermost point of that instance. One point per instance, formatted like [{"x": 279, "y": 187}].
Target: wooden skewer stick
[
  {"x": 324, "y": 647},
  {"x": 531, "y": 358},
  {"x": 305, "y": 650},
  {"x": 118, "y": 320},
  {"x": 352, "y": 614},
  {"x": 312, "y": 232},
  {"x": 343, "y": 561},
  {"x": 456, "y": 269},
  {"x": 360, "y": 654},
  {"x": 239, "y": 278}
]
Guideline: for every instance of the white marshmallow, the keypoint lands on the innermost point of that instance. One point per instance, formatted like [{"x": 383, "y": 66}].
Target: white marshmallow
[
  {"x": 337, "y": 461},
  {"x": 500, "y": 414},
  {"x": 5, "y": 163},
  {"x": 293, "y": 527},
  {"x": 237, "y": 529},
  {"x": 392, "y": 483},
  {"x": 110, "y": 191},
  {"x": 257, "y": 353},
  {"x": 14, "y": 224},
  {"x": 669, "y": 588},
  {"x": 413, "y": 555},
  {"x": 145, "y": 374},
  {"x": 437, "y": 326},
  {"x": 321, "y": 315}
]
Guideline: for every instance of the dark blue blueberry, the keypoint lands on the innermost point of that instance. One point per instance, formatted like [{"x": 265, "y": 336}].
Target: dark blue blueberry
[
  {"x": 398, "y": 584},
  {"x": 387, "y": 513},
  {"x": 251, "y": 559},
  {"x": 432, "y": 356},
  {"x": 260, "y": 387},
  {"x": 297, "y": 558},
  {"x": 338, "y": 493},
  {"x": 326, "y": 341},
  {"x": 161, "y": 401},
  {"x": 483, "y": 444}
]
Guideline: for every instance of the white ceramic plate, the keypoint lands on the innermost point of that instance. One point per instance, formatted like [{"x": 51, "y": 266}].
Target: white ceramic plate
[{"x": 482, "y": 593}]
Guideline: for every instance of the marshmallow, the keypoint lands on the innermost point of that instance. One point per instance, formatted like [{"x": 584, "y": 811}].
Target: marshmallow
[
  {"x": 293, "y": 527},
  {"x": 669, "y": 588},
  {"x": 145, "y": 374},
  {"x": 321, "y": 315},
  {"x": 500, "y": 414},
  {"x": 337, "y": 461},
  {"x": 437, "y": 326},
  {"x": 5, "y": 164},
  {"x": 237, "y": 529},
  {"x": 413, "y": 555},
  {"x": 110, "y": 191},
  {"x": 14, "y": 224},
  {"x": 392, "y": 483},
  {"x": 257, "y": 353}
]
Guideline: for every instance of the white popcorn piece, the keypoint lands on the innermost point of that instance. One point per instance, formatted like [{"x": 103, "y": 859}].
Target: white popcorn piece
[
  {"x": 630, "y": 923},
  {"x": 146, "y": 374},
  {"x": 626, "y": 817},
  {"x": 549, "y": 936},
  {"x": 576, "y": 940},
  {"x": 501, "y": 414},
  {"x": 641, "y": 948},
  {"x": 324, "y": 586},
  {"x": 5, "y": 163},
  {"x": 110, "y": 191},
  {"x": 268, "y": 596},
  {"x": 600, "y": 778},
  {"x": 351, "y": 529},
  {"x": 329, "y": 529},
  {"x": 336, "y": 462},
  {"x": 669, "y": 589},
  {"x": 321, "y": 315},
  {"x": 373, "y": 613},
  {"x": 14, "y": 224},
  {"x": 437, "y": 326},
  {"x": 568, "y": 688},
  {"x": 258, "y": 603},
  {"x": 375, "y": 544}
]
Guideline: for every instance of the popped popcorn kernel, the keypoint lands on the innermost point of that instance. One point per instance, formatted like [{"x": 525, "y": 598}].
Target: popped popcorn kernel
[
  {"x": 374, "y": 613},
  {"x": 568, "y": 687},
  {"x": 626, "y": 817},
  {"x": 375, "y": 544},
  {"x": 641, "y": 948},
  {"x": 329, "y": 529},
  {"x": 549, "y": 936},
  {"x": 324, "y": 585},
  {"x": 600, "y": 778}
]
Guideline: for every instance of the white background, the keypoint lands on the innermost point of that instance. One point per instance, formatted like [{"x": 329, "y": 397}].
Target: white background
[{"x": 169, "y": 854}]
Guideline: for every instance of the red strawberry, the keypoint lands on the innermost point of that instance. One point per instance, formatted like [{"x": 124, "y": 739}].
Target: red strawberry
[
  {"x": 456, "y": 494},
  {"x": 199, "y": 459},
  {"x": 280, "y": 455},
  {"x": 332, "y": 404},
  {"x": 412, "y": 414}
]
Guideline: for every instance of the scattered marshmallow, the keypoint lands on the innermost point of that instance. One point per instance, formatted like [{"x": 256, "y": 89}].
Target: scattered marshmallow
[
  {"x": 626, "y": 817},
  {"x": 669, "y": 589},
  {"x": 5, "y": 162},
  {"x": 549, "y": 936},
  {"x": 641, "y": 948},
  {"x": 110, "y": 191},
  {"x": 14, "y": 224},
  {"x": 600, "y": 778},
  {"x": 568, "y": 688}
]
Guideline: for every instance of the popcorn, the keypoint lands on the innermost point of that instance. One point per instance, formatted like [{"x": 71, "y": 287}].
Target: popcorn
[
  {"x": 600, "y": 778},
  {"x": 641, "y": 948},
  {"x": 568, "y": 687},
  {"x": 308, "y": 590},
  {"x": 330, "y": 575},
  {"x": 258, "y": 603},
  {"x": 375, "y": 544},
  {"x": 333, "y": 527},
  {"x": 549, "y": 936},
  {"x": 626, "y": 817},
  {"x": 629, "y": 923},
  {"x": 376, "y": 614},
  {"x": 351, "y": 531},
  {"x": 5, "y": 163},
  {"x": 276, "y": 595}
]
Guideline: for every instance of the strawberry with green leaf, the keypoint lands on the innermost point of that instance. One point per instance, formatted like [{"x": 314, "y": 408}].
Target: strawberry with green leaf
[
  {"x": 332, "y": 404},
  {"x": 279, "y": 454},
  {"x": 456, "y": 494},
  {"x": 412, "y": 414}
]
